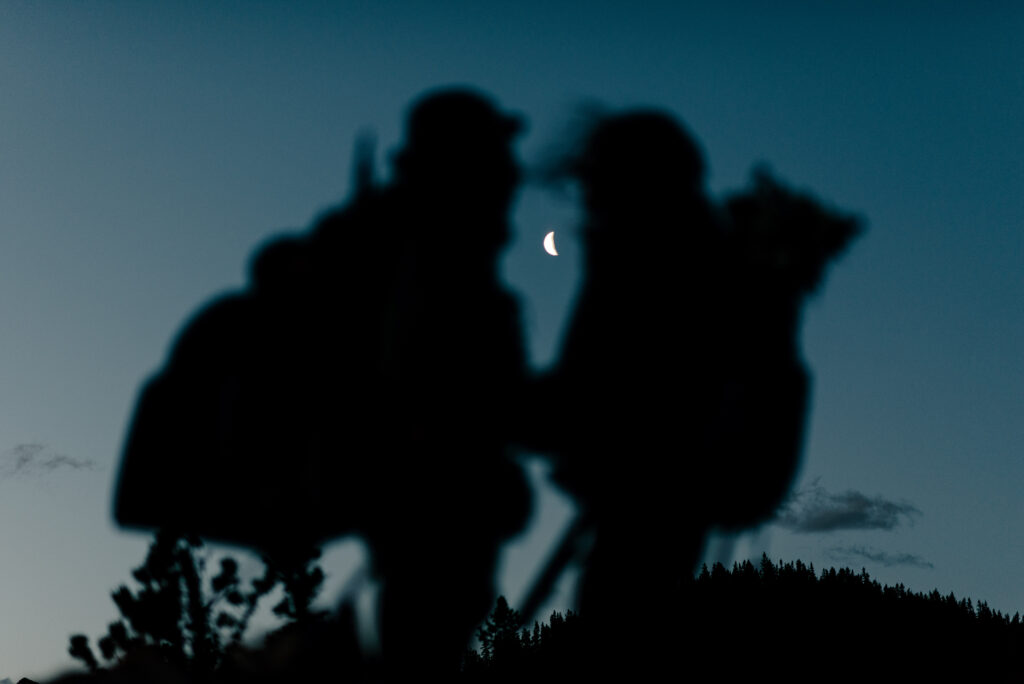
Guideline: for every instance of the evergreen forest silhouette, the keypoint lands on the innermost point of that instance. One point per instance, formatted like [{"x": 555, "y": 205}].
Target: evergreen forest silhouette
[{"x": 756, "y": 618}]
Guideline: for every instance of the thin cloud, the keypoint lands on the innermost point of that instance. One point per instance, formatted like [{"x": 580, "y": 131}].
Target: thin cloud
[
  {"x": 60, "y": 461},
  {"x": 817, "y": 510},
  {"x": 886, "y": 559},
  {"x": 33, "y": 459},
  {"x": 24, "y": 455}
]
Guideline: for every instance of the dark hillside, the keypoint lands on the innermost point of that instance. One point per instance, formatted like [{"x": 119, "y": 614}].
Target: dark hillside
[{"x": 779, "y": 618}]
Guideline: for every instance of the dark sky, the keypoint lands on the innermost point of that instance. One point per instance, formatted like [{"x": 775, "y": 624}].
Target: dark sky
[{"x": 145, "y": 150}]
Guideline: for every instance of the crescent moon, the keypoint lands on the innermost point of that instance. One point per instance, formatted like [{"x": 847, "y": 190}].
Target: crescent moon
[{"x": 549, "y": 244}]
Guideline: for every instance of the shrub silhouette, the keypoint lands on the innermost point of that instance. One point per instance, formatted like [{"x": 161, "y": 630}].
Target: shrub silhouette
[{"x": 182, "y": 620}]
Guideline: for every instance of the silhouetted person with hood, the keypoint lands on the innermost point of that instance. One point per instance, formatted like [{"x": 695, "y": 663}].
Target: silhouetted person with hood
[
  {"x": 637, "y": 366},
  {"x": 680, "y": 392}
]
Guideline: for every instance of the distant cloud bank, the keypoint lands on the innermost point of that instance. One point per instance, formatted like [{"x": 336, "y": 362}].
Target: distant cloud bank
[
  {"x": 817, "y": 510},
  {"x": 886, "y": 559},
  {"x": 34, "y": 459}
]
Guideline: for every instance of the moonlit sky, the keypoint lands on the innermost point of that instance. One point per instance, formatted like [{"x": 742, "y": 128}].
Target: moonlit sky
[{"x": 146, "y": 149}]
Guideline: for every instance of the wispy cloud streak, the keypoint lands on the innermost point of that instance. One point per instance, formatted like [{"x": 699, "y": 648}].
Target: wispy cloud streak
[
  {"x": 882, "y": 557},
  {"x": 817, "y": 510},
  {"x": 34, "y": 459}
]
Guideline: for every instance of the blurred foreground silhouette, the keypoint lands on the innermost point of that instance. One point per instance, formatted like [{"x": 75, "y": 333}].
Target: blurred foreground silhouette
[
  {"x": 361, "y": 384},
  {"x": 680, "y": 392},
  {"x": 371, "y": 380}
]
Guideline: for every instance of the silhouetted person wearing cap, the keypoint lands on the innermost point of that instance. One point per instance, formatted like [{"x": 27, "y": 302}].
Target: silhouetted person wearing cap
[
  {"x": 361, "y": 383},
  {"x": 454, "y": 367}
]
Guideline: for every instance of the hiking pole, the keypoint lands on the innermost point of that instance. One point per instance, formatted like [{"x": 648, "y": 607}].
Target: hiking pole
[{"x": 573, "y": 547}]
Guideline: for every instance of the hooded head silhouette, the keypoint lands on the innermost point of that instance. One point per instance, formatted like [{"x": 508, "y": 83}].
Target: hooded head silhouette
[{"x": 643, "y": 157}]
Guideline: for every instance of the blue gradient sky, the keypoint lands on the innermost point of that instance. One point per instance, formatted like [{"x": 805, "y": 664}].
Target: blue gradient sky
[{"x": 146, "y": 149}]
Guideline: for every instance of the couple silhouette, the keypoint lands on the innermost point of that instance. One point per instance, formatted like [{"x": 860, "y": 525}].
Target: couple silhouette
[{"x": 371, "y": 378}]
